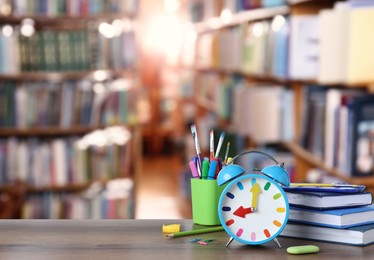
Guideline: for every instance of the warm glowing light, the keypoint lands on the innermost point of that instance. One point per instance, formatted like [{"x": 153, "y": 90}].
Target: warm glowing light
[
  {"x": 106, "y": 137},
  {"x": 214, "y": 23},
  {"x": 121, "y": 85},
  {"x": 100, "y": 75},
  {"x": 165, "y": 35},
  {"x": 107, "y": 30},
  {"x": 127, "y": 25},
  {"x": 99, "y": 88},
  {"x": 27, "y": 27},
  {"x": 171, "y": 6},
  {"x": 278, "y": 22},
  {"x": 258, "y": 29},
  {"x": 191, "y": 35},
  {"x": 7, "y": 30},
  {"x": 226, "y": 16}
]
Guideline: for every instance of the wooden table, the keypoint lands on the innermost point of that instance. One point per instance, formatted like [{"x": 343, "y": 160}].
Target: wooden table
[{"x": 142, "y": 239}]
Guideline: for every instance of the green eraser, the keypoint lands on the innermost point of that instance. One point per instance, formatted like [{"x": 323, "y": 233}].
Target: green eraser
[{"x": 299, "y": 250}]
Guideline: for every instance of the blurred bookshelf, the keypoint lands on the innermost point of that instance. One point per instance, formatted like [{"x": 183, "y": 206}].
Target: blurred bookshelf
[
  {"x": 69, "y": 121},
  {"x": 258, "y": 66}
]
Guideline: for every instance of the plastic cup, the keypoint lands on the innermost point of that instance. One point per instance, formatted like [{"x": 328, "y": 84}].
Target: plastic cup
[{"x": 205, "y": 197}]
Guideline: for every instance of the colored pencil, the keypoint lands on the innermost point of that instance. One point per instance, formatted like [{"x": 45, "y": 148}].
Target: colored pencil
[{"x": 195, "y": 232}]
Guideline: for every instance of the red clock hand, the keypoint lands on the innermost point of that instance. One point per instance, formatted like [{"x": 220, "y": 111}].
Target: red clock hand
[{"x": 242, "y": 212}]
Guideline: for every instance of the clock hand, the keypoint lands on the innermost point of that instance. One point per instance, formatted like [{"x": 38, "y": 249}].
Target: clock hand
[
  {"x": 255, "y": 191},
  {"x": 242, "y": 212}
]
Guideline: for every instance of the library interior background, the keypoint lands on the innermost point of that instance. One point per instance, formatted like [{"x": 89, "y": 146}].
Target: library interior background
[{"x": 105, "y": 104}]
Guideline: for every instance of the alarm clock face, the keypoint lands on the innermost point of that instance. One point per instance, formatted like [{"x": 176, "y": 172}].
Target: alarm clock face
[{"x": 253, "y": 209}]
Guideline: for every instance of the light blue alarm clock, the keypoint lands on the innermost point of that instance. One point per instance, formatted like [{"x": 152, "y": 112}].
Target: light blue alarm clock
[{"x": 253, "y": 208}]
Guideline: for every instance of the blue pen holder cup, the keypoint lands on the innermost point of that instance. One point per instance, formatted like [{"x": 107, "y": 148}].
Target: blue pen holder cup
[{"x": 205, "y": 197}]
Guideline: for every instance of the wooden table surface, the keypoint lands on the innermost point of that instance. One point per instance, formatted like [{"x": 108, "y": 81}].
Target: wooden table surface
[{"x": 143, "y": 239}]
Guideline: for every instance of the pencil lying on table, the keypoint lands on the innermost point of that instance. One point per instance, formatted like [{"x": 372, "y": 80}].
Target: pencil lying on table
[{"x": 195, "y": 232}]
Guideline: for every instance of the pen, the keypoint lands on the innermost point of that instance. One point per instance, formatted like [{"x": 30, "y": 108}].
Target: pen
[
  {"x": 195, "y": 232},
  {"x": 197, "y": 146},
  {"x": 222, "y": 136}
]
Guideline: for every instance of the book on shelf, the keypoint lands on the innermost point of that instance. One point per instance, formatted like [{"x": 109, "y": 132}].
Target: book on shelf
[
  {"x": 255, "y": 46},
  {"x": 64, "y": 50},
  {"x": 333, "y": 129},
  {"x": 114, "y": 200},
  {"x": 67, "y": 104},
  {"x": 272, "y": 123},
  {"x": 60, "y": 162},
  {"x": 361, "y": 113},
  {"x": 346, "y": 55},
  {"x": 312, "y": 126},
  {"x": 71, "y": 8},
  {"x": 337, "y": 115},
  {"x": 281, "y": 30},
  {"x": 328, "y": 200},
  {"x": 362, "y": 235},
  {"x": 360, "y": 41},
  {"x": 336, "y": 218},
  {"x": 303, "y": 47},
  {"x": 333, "y": 44},
  {"x": 271, "y": 3}
]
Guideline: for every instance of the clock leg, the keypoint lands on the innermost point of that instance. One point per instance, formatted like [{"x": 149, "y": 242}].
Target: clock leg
[
  {"x": 229, "y": 242},
  {"x": 277, "y": 242}
]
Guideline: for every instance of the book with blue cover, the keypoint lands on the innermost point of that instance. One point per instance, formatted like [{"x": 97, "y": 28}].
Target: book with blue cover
[
  {"x": 328, "y": 200},
  {"x": 358, "y": 236},
  {"x": 336, "y": 218}
]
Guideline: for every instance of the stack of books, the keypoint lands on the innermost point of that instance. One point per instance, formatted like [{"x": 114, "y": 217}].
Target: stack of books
[{"x": 331, "y": 214}]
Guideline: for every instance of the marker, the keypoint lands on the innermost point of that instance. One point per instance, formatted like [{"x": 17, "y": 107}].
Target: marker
[
  {"x": 212, "y": 169},
  {"x": 193, "y": 168},
  {"x": 204, "y": 174},
  {"x": 222, "y": 136}
]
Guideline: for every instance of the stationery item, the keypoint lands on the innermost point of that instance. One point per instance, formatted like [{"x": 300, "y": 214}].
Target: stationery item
[
  {"x": 325, "y": 187},
  {"x": 212, "y": 169},
  {"x": 172, "y": 228},
  {"x": 196, "y": 231},
  {"x": 219, "y": 166},
  {"x": 229, "y": 160},
  {"x": 193, "y": 168},
  {"x": 197, "y": 146},
  {"x": 337, "y": 218},
  {"x": 204, "y": 174},
  {"x": 301, "y": 250},
  {"x": 220, "y": 142},
  {"x": 211, "y": 147},
  {"x": 359, "y": 235},
  {"x": 227, "y": 152},
  {"x": 204, "y": 197},
  {"x": 328, "y": 200}
]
